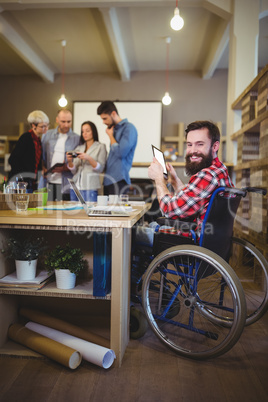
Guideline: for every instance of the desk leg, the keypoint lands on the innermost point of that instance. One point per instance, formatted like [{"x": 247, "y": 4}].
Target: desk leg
[{"x": 120, "y": 295}]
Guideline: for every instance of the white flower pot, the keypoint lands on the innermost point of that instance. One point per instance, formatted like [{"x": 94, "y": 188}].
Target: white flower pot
[
  {"x": 65, "y": 279},
  {"x": 26, "y": 270}
]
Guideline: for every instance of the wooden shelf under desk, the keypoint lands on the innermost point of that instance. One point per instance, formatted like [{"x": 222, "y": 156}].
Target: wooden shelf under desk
[
  {"x": 82, "y": 290},
  {"x": 62, "y": 223}
]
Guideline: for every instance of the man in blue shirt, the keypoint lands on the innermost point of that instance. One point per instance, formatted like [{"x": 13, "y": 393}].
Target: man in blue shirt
[{"x": 123, "y": 138}]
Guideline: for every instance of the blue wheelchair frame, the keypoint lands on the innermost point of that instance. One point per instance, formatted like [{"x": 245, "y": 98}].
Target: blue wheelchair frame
[{"x": 139, "y": 257}]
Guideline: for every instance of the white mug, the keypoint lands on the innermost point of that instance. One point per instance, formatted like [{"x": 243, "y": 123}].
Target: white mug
[
  {"x": 113, "y": 199},
  {"x": 102, "y": 200}
]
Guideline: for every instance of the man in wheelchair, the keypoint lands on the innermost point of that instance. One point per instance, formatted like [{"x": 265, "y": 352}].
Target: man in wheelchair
[
  {"x": 183, "y": 210},
  {"x": 198, "y": 295},
  {"x": 189, "y": 202}
]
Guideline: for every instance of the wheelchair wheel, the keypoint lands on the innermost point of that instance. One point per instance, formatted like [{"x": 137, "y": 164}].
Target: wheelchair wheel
[
  {"x": 252, "y": 270},
  {"x": 138, "y": 323},
  {"x": 212, "y": 309}
]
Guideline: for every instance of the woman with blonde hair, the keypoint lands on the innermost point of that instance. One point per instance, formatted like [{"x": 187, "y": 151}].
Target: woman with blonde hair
[{"x": 26, "y": 158}]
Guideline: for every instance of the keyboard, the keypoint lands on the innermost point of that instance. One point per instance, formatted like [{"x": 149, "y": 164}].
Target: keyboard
[{"x": 98, "y": 212}]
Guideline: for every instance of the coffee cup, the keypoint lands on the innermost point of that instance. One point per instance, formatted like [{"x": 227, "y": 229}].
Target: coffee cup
[
  {"x": 113, "y": 199},
  {"x": 102, "y": 200}
]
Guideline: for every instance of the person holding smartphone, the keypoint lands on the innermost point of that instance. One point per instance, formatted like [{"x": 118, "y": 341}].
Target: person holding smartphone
[{"x": 86, "y": 162}]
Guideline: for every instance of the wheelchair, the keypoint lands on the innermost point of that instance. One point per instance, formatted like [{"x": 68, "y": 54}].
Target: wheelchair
[{"x": 197, "y": 297}]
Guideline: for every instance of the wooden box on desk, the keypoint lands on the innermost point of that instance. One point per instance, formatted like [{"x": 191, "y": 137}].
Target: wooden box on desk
[{"x": 8, "y": 201}]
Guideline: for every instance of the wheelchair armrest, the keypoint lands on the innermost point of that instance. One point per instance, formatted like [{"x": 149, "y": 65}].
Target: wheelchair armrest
[
  {"x": 183, "y": 226},
  {"x": 258, "y": 190},
  {"x": 236, "y": 191}
]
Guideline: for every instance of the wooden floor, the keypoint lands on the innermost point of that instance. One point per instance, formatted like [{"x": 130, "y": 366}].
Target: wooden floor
[{"x": 149, "y": 373}]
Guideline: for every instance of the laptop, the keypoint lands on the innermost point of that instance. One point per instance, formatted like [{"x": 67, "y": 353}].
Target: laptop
[{"x": 108, "y": 211}]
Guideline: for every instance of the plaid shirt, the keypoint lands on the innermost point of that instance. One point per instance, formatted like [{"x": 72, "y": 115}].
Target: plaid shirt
[{"x": 192, "y": 201}]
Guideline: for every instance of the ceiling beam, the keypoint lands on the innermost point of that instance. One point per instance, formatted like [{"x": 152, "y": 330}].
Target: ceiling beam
[
  {"x": 113, "y": 29},
  {"x": 217, "y": 49},
  {"x": 34, "y": 4},
  {"x": 222, "y": 8},
  {"x": 19, "y": 43}
]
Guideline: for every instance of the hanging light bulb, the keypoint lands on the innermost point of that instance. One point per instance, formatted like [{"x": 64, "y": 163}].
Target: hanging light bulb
[
  {"x": 177, "y": 21},
  {"x": 166, "y": 100},
  {"x": 62, "y": 101}
]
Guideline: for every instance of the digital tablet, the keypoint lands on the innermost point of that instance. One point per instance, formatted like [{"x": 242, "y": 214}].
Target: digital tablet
[
  {"x": 161, "y": 159},
  {"x": 53, "y": 167}
]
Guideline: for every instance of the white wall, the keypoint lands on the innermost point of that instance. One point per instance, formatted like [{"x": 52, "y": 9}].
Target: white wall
[{"x": 192, "y": 97}]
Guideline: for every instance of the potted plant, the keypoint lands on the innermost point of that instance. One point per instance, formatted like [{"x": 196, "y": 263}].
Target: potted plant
[
  {"x": 67, "y": 262},
  {"x": 25, "y": 251}
]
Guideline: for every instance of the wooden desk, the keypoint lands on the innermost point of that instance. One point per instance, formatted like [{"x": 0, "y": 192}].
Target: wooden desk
[{"x": 70, "y": 221}]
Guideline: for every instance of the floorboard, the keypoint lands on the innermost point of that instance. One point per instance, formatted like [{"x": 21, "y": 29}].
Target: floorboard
[{"x": 149, "y": 373}]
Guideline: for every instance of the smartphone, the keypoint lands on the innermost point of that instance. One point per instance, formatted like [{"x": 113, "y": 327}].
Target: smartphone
[
  {"x": 161, "y": 159},
  {"x": 73, "y": 154}
]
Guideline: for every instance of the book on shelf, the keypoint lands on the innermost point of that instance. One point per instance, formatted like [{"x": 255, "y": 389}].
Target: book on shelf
[{"x": 10, "y": 281}]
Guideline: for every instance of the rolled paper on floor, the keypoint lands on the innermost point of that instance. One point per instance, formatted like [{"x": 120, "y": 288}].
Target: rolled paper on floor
[
  {"x": 60, "y": 325},
  {"x": 91, "y": 352},
  {"x": 54, "y": 350}
]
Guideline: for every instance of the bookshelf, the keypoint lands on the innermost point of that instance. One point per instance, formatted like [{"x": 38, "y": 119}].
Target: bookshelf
[{"x": 252, "y": 160}]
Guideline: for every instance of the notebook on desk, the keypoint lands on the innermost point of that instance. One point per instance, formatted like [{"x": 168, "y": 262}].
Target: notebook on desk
[{"x": 109, "y": 211}]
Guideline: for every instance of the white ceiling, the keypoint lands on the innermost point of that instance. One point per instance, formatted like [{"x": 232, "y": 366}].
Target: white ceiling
[{"x": 122, "y": 36}]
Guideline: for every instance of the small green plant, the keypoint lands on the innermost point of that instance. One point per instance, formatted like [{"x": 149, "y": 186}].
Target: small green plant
[
  {"x": 65, "y": 257},
  {"x": 25, "y": 249}
]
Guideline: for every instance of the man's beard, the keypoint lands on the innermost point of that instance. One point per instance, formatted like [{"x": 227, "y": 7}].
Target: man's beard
[
  {"x": 192, "y": 168},
  {"x": 112, "y": 124}
]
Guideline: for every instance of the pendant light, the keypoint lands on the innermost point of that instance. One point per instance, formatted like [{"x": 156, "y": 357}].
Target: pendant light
[
  {"x": 62, "y": 101},
  {"x": 166, "y": 100},
  {"x": 177, "y": 21}
]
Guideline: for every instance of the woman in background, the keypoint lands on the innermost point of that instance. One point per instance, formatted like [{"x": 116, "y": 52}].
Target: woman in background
[
  {"x": 86, "y": 163},
  {"x": 26, "y": 158}
]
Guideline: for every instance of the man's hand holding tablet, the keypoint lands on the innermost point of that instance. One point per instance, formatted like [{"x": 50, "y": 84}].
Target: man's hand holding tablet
[{"x": 161, "y": 159}]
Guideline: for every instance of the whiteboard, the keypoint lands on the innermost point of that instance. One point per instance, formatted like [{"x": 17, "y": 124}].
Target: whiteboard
[{"x": 146, "y": 117}]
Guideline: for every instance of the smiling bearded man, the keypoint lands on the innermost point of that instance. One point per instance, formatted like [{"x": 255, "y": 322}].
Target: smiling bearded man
[{"x": 207, "y": 173}]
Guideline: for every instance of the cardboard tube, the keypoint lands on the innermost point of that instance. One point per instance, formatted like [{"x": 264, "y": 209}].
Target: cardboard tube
[
  {"x": 60, "y": 325},
  {"x": 48, "y": 347},
  {"x": 91, "y": 352}
]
